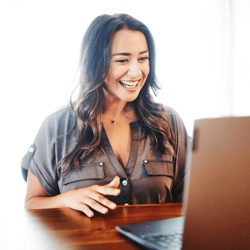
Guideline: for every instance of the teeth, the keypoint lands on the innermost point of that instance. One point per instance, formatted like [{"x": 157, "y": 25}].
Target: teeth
[{"x": 129, "y": 84}]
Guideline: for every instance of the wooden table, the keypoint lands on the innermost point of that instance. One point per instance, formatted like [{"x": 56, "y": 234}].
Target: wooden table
[{"x": 69, "y": 229}]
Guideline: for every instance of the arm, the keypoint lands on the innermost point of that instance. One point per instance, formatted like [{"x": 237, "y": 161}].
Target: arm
[{"x": 83, "y": 199}]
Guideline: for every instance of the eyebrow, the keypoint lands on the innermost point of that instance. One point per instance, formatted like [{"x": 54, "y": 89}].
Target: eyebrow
[{"x": 129, "y": 54}]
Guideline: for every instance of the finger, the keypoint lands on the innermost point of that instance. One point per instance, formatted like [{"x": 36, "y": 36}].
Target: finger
[
  {"x": 106, "y": 190},
  {"x": 92, "y": 203},
  {"x": 85, "y": 209},
  {"x": 101, "y": 200},
  {"x": 115, "y": 182}
]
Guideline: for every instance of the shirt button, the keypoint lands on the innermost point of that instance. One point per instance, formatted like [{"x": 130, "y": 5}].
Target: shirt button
[
  {"x": 125, "y": 183},
  {"x": 31, "y": 150},
  {"x": 101, "y": 163}
]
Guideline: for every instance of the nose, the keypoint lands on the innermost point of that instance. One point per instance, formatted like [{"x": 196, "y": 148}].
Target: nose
[{"x": 134, "y": 69}]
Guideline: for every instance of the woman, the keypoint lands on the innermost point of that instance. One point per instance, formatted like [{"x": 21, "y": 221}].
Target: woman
[{"x": 113, "y": 145}]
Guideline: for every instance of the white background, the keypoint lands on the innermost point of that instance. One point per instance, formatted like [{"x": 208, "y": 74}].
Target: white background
[{"x": 203, "y": 60}]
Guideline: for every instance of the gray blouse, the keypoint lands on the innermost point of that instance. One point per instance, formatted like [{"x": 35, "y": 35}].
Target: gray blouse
[{"x": 149, "y": 176}]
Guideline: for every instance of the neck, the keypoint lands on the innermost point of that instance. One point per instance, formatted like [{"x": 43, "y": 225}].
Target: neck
[
  {"x": 113, "y": 105},
  {"x": 115, "y": 109}
]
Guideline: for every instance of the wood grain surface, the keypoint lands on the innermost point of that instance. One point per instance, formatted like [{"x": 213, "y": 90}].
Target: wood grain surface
[{"x": 69, "y": 229}]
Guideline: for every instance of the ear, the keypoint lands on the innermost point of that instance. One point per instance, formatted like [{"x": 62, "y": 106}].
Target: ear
[
  {"x": 104, "y": 85},
  {"x": 106, "y": 79}
]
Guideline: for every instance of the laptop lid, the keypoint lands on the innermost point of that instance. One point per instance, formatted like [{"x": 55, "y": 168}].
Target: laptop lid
[{"x": 218, "y": 199}]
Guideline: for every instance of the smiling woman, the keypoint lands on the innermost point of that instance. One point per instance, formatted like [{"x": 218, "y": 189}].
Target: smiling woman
[
  {"x": 129, "y": 66},
  {"x": 112, "y": 145}
]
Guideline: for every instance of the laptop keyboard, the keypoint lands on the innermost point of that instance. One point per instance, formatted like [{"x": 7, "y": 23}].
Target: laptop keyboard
[{"x": 168, "y": 242}]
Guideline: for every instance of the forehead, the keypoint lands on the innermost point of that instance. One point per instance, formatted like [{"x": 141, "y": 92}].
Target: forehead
[{"x": 128, "y": 41}]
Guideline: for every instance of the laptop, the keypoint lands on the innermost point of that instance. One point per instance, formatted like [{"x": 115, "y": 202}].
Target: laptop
[{"x": 217, "y": 198}]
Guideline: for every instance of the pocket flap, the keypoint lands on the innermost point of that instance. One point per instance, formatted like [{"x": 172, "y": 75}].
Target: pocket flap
[
  {"x": 86, "y": 172},
  {"x": 159, "y": 168}
]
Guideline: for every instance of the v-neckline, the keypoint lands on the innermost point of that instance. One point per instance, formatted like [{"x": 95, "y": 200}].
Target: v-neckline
[{"x": 133, "y": 151}]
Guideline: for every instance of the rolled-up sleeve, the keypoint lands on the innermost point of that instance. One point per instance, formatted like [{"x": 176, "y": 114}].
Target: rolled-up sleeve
[{"x": 40, "y": 159}]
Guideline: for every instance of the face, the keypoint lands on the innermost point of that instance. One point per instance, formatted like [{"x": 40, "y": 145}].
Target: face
[{"x": 129, "y": 66}]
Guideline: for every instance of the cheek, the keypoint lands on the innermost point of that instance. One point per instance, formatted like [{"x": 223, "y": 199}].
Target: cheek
[
  {"x": 112, "y": 76},
  {"x": 146, "y": 70}
]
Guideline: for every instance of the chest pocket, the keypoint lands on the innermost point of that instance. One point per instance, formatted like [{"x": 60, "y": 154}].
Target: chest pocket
[
  {"x": 159, "y": 168},
  {"x": 157, "y": 164},
  {"x": 90, "y": 171}
]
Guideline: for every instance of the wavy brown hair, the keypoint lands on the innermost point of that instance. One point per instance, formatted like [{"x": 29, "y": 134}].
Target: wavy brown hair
[{"x": 93, "y": 67}]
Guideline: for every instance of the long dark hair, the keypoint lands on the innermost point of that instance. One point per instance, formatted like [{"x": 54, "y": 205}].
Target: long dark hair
[{"x": 94, "y": 66}]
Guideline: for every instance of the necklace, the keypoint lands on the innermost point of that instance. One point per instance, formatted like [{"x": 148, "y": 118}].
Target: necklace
[
  {"x": 112, "y": 121},
  {"x": 124, "y": 116}
]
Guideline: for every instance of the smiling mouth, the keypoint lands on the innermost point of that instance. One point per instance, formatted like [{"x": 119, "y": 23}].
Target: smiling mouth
[{"x": 129, "y": 84}]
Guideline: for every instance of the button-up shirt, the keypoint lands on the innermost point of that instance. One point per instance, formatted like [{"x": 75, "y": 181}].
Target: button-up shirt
[{"x": 149, "y": 177}]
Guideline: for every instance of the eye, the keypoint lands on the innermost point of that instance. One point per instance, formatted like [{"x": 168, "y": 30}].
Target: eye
[
  {"x": 122, "y": 60},
  {"x": 142, "y": 59}
]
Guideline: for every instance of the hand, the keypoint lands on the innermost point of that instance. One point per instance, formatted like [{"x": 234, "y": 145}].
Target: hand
[{"x": 93, "y": 197}]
